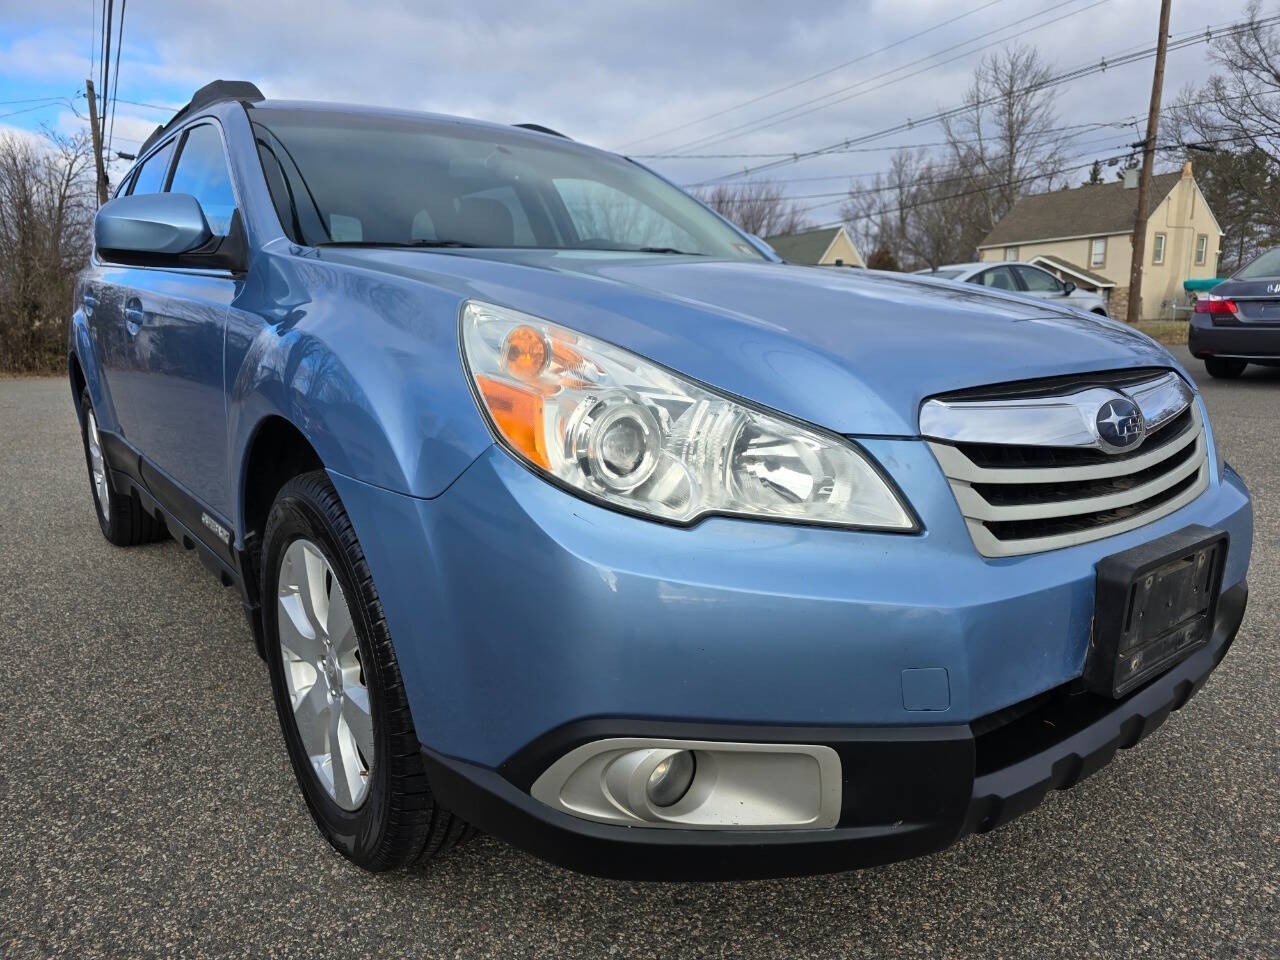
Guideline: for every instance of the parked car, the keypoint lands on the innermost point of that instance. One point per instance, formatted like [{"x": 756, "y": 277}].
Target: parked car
[
  {"x": 1238, "y": 322},
  {"x": 1021, "y": 278},
  {"x": 560, "y": 509}
]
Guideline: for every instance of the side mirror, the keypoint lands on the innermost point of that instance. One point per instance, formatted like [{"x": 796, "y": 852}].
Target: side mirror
[
  {"x": 1068, "y": 288},
  {"x": 150, "y": 227}
]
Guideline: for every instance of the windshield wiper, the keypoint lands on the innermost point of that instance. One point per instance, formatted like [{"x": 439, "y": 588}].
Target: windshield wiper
[
  {"x": 683, "y": 253},
  {"x": 396, "y": 243}
]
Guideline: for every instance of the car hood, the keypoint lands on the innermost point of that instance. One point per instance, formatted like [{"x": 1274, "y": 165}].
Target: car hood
[{"x": 854, "y": 351}]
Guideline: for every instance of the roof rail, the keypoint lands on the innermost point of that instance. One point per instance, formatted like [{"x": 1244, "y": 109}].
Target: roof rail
[
  {"x": 539, "y": 128},
  {"x": 241, "y": 90}
]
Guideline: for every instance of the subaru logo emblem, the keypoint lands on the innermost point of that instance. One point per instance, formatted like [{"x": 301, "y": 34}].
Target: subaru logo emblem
[{"x": 1119, "y": 425}]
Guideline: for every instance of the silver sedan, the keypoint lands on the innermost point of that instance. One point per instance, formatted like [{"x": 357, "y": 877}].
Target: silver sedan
[{"x": 1021, "y": 278}]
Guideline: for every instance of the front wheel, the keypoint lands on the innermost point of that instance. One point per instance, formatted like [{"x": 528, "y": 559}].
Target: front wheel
[
  {"x": 1223, "y": 368},
  {"x": 338, "y": 690}
]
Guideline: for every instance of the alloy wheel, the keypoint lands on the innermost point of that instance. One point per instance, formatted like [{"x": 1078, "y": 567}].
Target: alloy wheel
[
  {"x": 98, "y": 466},
  {"x": 324, "y": 675}
]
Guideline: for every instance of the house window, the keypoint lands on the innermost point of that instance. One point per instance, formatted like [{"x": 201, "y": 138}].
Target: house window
[
  {"x": 1011, "y": 253},
  {"x": 1098, "y": 252},
  {"x": 1157, "y": 249},
  {"x": 1202, "y": 249}
]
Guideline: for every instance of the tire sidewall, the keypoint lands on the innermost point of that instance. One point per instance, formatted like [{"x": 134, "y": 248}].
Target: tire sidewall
[{"x": 355, "y": 833}]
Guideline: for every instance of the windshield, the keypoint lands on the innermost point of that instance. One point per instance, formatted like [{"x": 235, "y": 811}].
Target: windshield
[
  {"x": 1267, "y": 265},
  {"x": 396, "y": 180},
  {"x": 941, "y": 274}
]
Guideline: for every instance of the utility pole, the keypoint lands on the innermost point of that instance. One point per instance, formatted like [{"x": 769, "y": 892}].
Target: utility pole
[
  {"x": 96, "y": 133},
  {"x": 1144, "y": 179}
]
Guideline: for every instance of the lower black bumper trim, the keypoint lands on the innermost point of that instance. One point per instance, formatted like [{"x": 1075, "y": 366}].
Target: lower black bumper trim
[{"x": 908, "y": 792}]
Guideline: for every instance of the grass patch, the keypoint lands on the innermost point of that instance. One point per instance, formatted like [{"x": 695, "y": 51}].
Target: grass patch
[{"x": 1168, "y": 332}]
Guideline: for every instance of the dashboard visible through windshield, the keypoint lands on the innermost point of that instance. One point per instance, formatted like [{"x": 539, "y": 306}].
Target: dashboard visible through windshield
[{"x": 377, "y": 179}]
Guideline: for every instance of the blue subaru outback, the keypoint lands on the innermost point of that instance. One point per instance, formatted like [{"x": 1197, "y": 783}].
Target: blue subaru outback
[{"x": 561, "y": 508}]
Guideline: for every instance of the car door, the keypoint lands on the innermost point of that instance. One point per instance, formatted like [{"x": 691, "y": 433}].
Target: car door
[
  {"x": 179, "y": 316},
  {"x": 1039, "y": 283},
  {"x": 999, "y": 278},
  {"x": 108, "y": 300}
]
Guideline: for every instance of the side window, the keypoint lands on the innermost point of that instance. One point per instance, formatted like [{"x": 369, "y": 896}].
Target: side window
[
  {"x": 1001, "y": 278},
  {"x": 202, "y": 172},
  {"x": 150, "y": 176},
  {"x": 1038, "y": 281}
]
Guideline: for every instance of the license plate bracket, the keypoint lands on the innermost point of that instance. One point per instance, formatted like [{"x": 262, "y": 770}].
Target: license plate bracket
[{"x": 1155, "y": 605}]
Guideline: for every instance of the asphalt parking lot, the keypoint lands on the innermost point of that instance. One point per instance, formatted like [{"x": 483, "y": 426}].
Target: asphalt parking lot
[{"x": 148, "y": 808}]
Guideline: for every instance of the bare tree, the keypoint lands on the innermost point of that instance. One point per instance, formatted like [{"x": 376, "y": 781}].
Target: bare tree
[
  {"x": 922, "y": 212},
  {"x": 46, "y": 214},
  {"x": 929, "y": 210},
  {"x": 1007, "y": 136},
  {"x": 1235, "y": 119},
  {"x": 878, "y": 212},
  {"x": 760, "y": 207}
]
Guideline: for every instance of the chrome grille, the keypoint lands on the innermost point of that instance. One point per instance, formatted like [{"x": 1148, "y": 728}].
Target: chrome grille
[{"x": 1030, "y": 473}]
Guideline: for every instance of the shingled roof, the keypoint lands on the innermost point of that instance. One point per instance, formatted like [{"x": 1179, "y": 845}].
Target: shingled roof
[
  {"x": 1092, "y": 211},
  {"x": 806, "y": 247}
]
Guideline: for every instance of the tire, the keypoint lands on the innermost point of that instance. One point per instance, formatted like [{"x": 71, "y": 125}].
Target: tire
[
  {"x": 1223, "y": 368},
  {"x": 121, "y": 517},
  {"x": 376, "y": 810}
]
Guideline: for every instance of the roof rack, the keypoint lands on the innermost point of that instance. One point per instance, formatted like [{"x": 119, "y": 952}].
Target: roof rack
[
  {"x": 218, "y": 90},
  {"x": 539, "y": 128}
]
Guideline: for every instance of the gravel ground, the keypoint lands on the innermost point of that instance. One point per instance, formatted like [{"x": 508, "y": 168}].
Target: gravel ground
[{"x": 148, "y": 808}]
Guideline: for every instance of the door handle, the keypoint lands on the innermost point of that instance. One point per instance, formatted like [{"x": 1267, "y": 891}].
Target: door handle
[
  {"x": 133, "y": 315},
  {"x": 90, "y": 302}
]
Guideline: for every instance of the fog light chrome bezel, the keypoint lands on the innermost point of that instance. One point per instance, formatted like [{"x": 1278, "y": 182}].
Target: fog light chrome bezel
[{"x": 735, "y": 786}]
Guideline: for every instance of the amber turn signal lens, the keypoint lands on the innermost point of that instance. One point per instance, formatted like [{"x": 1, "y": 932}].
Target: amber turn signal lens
[
  {"x": 525, "y": 352},
  {"x": 517, "y": 412}
]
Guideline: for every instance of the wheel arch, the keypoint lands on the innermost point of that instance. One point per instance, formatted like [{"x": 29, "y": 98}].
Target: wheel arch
[
  {"x": 84, "y": 372},
  {"x": 277, "y": 452}
]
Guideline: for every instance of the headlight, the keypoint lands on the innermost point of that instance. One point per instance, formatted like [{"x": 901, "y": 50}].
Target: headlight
[{"x": 625, "y": 431}]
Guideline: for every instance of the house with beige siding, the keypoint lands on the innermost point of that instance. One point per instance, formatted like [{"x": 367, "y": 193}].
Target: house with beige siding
[
  {"x": 826, "y": 247},
  {"x": 1085, "y": 235}
]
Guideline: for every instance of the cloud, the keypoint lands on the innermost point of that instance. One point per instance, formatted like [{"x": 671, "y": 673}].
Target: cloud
[{"x": 606, "y": 73}]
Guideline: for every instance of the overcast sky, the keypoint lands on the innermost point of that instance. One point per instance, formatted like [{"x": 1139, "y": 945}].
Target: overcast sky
[{"x": 617, "y": 75}]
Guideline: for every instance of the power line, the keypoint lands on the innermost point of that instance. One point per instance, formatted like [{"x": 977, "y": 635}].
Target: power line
[
  {"x": 796, "y": 110},
  {"x": 41, "y": 106},
  {"x": 917, "y": 182},
  {"x": 116, "y": 85},
  {"x": 1082, "y": 127},
  {"x": 107, "y": 12},
  {"x": 6, "y": 103},
  {"x": 93, "y": 29},
  {"x": 1031, "y": 178},
  {"x": 152, "y": 106},
  {"x": 1107, "y": 141},
  {"x": 910, "y": 124},
  {"x": 810, "y": 78}
]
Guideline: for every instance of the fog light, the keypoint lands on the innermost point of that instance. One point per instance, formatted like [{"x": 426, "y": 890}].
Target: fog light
[
  {"x": 696, "y": 784},
  {"x": 671, "y": 779}
]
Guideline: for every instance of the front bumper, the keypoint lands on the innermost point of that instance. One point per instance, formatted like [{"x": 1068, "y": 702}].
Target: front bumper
[
  {"x": 517, "y": 608},
  {"x": 907, "y": 791},
  {"x": 1254, "y": 342}
]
